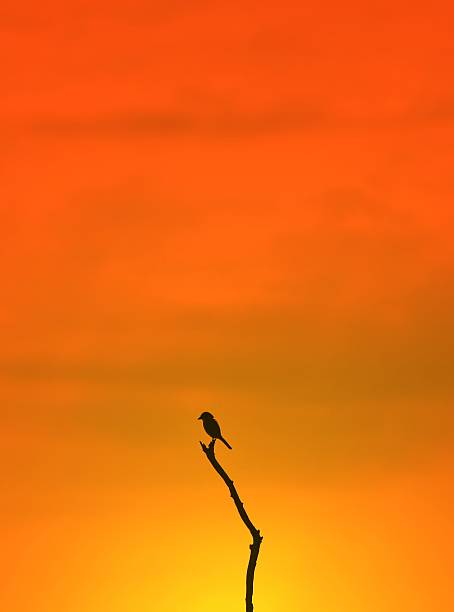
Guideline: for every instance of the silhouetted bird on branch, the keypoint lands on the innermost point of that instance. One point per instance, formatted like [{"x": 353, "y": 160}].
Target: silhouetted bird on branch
[{"x": 211, "y": 426}]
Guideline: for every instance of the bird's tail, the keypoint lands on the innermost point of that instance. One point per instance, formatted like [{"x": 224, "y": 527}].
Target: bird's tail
[{"x": 225, "y": 442}]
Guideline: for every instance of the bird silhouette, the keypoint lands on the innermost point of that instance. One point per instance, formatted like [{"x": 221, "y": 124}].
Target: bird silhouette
[{"x": 211, "y": 426}]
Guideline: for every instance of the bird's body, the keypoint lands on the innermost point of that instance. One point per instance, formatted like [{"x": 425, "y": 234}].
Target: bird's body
[{"x": 211, "y": 426}]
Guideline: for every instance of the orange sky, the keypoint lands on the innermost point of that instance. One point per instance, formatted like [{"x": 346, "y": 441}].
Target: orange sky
[{"x": 242, "y": 207}]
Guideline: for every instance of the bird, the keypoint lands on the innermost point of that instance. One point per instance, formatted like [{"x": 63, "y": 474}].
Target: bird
[{"x": 211, "y": 426}]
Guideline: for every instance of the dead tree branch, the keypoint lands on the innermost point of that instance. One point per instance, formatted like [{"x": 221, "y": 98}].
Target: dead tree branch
[{"x": 255, "y": 533}]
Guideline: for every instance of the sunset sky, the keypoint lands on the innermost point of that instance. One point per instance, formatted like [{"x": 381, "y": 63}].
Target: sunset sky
[{"x": 243, "y": 207}]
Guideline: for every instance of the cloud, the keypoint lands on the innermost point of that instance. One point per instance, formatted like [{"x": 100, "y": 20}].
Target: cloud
[
  {"x": 233, "y": 122},
  {"x": 136, "y": 124}
]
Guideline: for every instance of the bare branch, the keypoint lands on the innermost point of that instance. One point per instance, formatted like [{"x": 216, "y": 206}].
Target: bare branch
[{"x": 255, "y": 533}]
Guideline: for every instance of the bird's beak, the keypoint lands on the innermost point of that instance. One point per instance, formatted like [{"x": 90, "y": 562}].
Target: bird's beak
[{"x": 198, "y": 418}]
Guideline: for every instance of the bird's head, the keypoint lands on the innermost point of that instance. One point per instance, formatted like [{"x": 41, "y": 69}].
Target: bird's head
[{"x": 206, "y": 416}]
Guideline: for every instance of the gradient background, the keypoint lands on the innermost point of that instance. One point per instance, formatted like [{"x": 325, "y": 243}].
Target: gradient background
[{"x": 244, "y": 207}]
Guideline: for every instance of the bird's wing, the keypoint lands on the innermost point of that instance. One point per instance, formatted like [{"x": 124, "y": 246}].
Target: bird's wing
[{"x": 213, "y": 429}]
